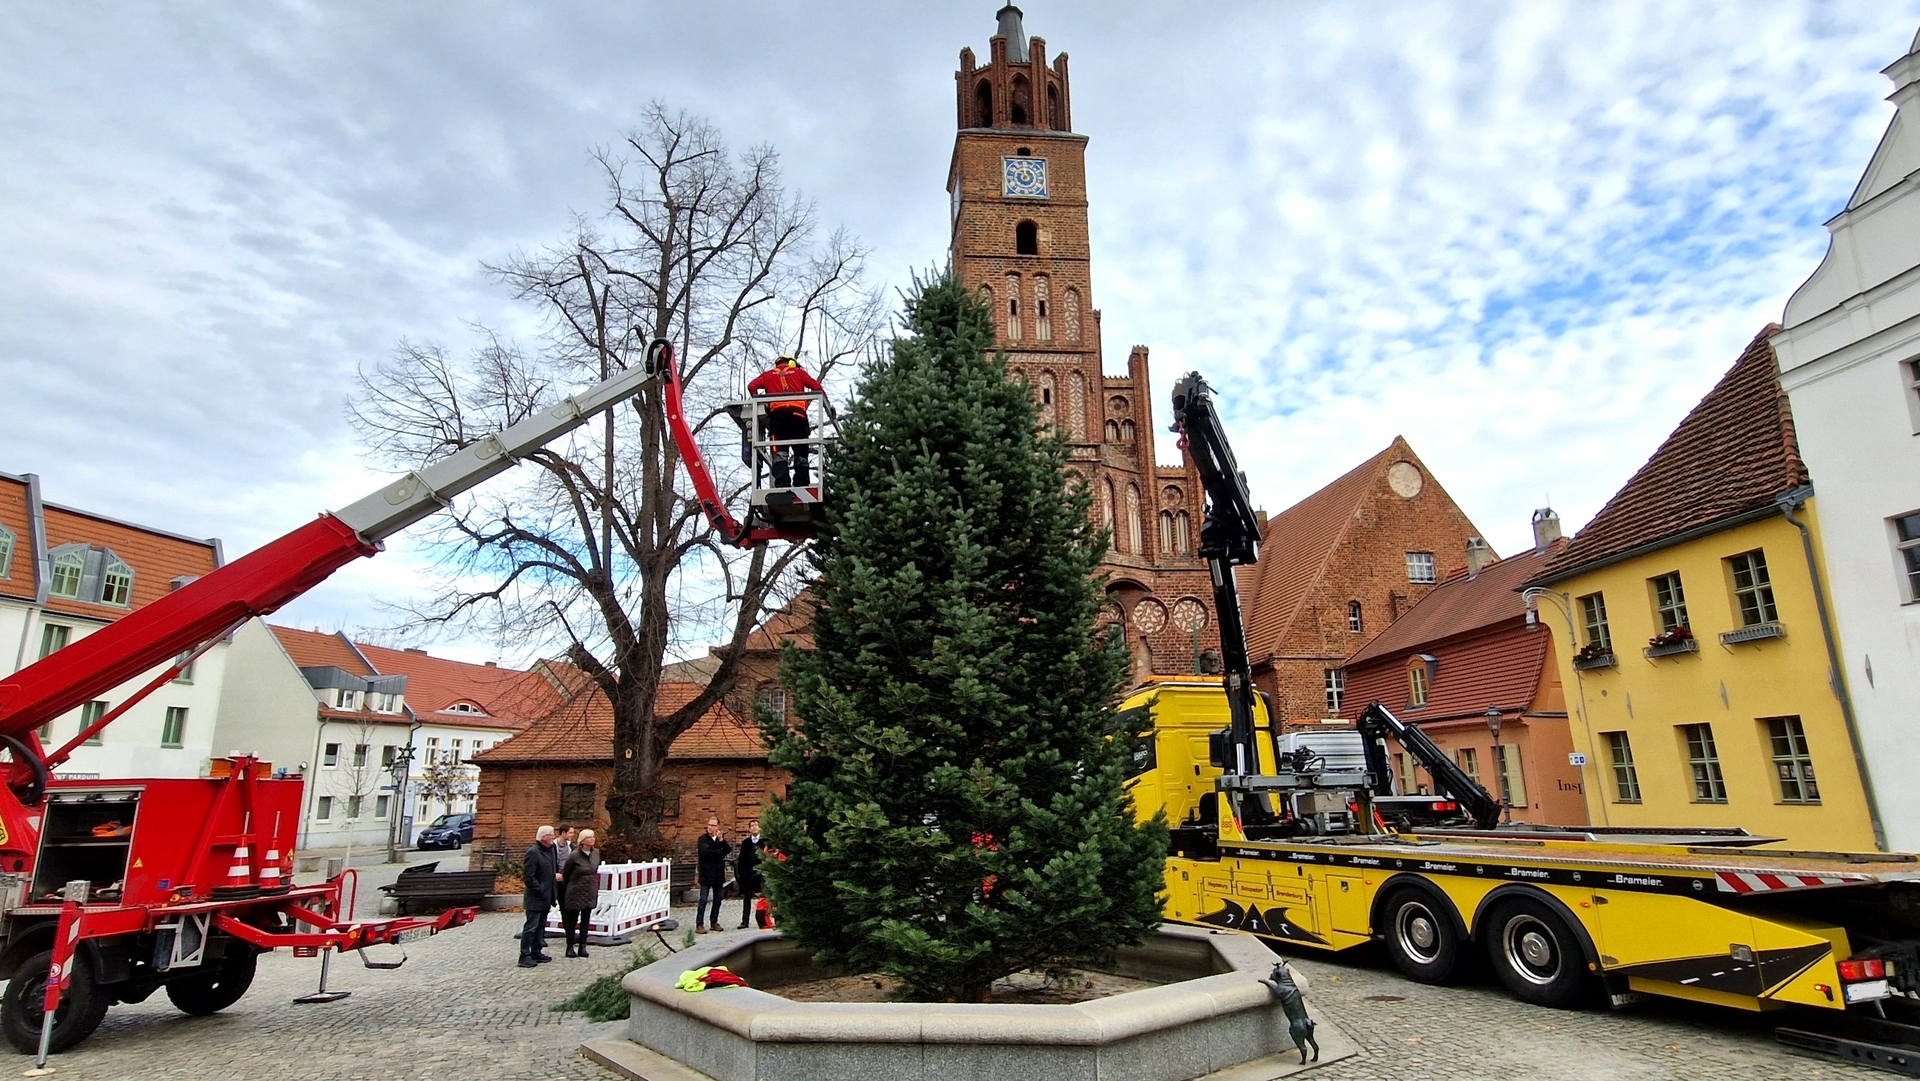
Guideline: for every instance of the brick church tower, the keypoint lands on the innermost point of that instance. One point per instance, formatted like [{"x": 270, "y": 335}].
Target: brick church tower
[{"x": 1018, "y": 194}]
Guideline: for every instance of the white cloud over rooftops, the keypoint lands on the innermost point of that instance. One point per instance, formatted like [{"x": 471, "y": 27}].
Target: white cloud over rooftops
[{"x": 1527, "y": 236}]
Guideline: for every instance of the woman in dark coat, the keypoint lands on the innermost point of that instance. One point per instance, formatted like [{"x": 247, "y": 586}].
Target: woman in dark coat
[{"x": 579, "y": 891}]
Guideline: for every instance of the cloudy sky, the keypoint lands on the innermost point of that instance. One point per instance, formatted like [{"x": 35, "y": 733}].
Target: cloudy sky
[{"x": 1526, "y": 236}]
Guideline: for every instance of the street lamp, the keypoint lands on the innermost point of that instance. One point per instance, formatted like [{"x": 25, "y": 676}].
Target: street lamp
[
  {"x": 1533, "y": 595},
  {"x": 396, "y": 825},
  {"x": 1499, "y": 762}
]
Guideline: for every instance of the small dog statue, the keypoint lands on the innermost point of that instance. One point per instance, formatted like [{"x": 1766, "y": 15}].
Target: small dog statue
[{"x": 1299, "y": 1025}]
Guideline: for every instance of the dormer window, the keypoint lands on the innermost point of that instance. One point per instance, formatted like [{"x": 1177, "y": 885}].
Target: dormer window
[
  {"x": 116, "y": 585},
  {"x": 67, "y": 571},
  {"x": 6, "y": 552}
]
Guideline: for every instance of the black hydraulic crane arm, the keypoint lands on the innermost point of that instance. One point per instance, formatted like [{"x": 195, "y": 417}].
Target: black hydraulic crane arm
[
  {"x": 1229, "y": 537},
  {"x": 1376, "y": 723}
]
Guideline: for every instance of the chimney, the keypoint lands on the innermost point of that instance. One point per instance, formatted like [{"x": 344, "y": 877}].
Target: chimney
[
  {"x": 1546, "y": 528},
  {"x": 493, "y": 664},
  {"x": 1479, "y": 555},
  {"x": 411, "y": 649},
  {"x": 1260, "y": 518}
]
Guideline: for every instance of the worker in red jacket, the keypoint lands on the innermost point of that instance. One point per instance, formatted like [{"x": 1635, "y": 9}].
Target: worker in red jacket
[{"x": 786, "y": 418}]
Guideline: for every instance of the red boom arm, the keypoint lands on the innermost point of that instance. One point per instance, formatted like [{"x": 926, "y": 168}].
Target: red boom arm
[{"x": 254, "y": 585}]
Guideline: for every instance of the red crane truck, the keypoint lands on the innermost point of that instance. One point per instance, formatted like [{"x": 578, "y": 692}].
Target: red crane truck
[{"x": 112, "y": 889}]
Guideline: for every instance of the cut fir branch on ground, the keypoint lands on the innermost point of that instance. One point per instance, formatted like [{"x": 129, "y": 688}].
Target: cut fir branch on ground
[
  {"x": 603, "y": 999},
  {"x": 956, "y": 810}
]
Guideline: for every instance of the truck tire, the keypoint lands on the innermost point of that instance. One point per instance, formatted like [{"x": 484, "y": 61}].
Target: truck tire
[
  {"x": 212, "y": 991},
  {"x": 1421, "y": 936},
  {"x": 21, "y": 1009},
  {"x": 1535, "y": 953}
]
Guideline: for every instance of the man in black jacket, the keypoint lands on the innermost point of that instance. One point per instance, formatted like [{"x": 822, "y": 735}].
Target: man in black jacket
[
  {"x": 541, "y": 873},
  {"x": 710, "y": 861},
  {"x": 746, "y": 869}
]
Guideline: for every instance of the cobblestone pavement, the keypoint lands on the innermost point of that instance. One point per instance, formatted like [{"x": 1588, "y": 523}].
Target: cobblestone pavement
[{"x": 461, "y": 1011}]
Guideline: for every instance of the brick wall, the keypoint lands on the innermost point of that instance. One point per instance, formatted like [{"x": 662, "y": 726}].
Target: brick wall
[{"x": 515, "y": 800}]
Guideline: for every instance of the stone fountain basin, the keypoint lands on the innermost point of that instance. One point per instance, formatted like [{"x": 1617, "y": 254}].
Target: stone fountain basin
[{"x": 1210, "y": 1014}]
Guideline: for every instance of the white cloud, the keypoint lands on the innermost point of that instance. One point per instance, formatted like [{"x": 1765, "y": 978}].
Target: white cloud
[{"x": 1527, "y": 236}]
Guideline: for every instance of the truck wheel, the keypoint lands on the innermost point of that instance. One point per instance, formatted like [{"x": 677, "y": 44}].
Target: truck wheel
[
  {"x": 22, "y": 1009},
  {"x": 211, "y": 992},
  {"x": 1535, "y": 953},
  {"x": 1421, "y": 936}
]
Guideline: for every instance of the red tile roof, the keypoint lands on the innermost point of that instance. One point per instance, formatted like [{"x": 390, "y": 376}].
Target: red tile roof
[
  {"x": 792, "y": 622},
  {"x": 507, "y": 697},
  {"x": 314, "y": 649},
  {"x": 1733, "y": 454},
  {"x": 1460, "y": 605},
  {"x": 1499, "y": 667},
  {"x": 1295, "y": 547},
  {"x": 19, "y": 580},
  {"x": 580, "y": 729},
  {"x": 157, "y": 558}
]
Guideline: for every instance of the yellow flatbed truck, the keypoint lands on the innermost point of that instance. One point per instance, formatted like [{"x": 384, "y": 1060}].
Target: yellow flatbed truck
[{"x": 1284, "y": 838}]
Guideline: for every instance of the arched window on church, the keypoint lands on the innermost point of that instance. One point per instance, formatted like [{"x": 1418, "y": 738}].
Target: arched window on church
[
  {"x": 1021, "y": 111},
  {"x": 983, "y": 104},
  {"x": 1182, "y": 532},
  {"x": 1053, "y": 109},
  {"x": 1126, "y": 431},
  {"x": 1135, "y": 541},
  {"x": 1042, "y": 318},
  {"x": 1072, "y": 301},
  {"x": 1026, "y": 239},
  {"x": 1046, "y": 397},
  {"x": 1077, "y": 407},
  {"x": 1355, "y": 622},
  {"x": 1013, "y": 307},
  {"x": 1113, "y": 431},
  {"x": 986, "y": 296},
  {"x": 1167, "y": 544},
  {"x": 1106, "y": 505}
]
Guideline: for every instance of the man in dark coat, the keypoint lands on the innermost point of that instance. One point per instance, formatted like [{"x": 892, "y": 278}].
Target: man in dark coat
[
  {"x": 711, "y": 859},
  {"x": 746, "y": 870},
  {"x": 540, "y": 871}
]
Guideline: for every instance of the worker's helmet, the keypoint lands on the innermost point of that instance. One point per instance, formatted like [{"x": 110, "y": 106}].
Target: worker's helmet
[{"x": 785, "y": 359}]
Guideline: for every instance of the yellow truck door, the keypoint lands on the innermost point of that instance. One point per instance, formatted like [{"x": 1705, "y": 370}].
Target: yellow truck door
[{"x": 1348, "y": 904}]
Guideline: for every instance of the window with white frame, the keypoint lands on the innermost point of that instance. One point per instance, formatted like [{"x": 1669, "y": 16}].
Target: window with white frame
[
  {"x": 1420, "y": 567},
  {"x": 323, "y": 809},
  {"x": 1906, "y": 533},
  {"x": 1593, "y": 612},
  {"x": 359, "y": 756},
  {"x": 1913, "y": 384},
  {"x": 433, "y": 750},
  {"x": 6, "y": 552},
  {"x": 453, "y": 750},
  {"x": 185, "y": 675},
  {"x": 1336, "y": 684},
  {"x": 381, "y": 805},
  {"x": 1356, "y": 620},
  {"x": 1753, "y": 589},
  {"x": 353, "y": 807},
  {"x": 330, "y": 756},
  {"x": 1417, "y": 685},
  {"x": 1670, "y": 601}
]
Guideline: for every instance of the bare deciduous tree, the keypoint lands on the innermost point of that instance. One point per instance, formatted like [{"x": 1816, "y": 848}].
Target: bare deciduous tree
[{"x": 602, "y": 554}]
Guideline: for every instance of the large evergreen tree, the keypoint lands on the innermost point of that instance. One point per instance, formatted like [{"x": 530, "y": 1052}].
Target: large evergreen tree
[{"x": 957, "y": 810}]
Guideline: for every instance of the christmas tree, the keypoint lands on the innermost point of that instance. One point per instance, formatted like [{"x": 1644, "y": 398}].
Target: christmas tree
[{"x": 956, "y": 811}]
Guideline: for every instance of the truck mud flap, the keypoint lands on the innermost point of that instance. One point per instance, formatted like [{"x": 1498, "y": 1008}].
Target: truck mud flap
[{"x": 1892, "y": 1057}]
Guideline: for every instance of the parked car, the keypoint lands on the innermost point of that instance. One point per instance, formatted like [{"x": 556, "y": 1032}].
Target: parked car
[{"x": 447, "y": 831}]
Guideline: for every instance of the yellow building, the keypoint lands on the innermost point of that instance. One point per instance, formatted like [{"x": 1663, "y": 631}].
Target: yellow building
[{"x": 1693, "y": 636}]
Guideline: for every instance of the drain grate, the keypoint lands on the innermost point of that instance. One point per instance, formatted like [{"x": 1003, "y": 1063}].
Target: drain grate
[{"x": 1384, "y": 998}]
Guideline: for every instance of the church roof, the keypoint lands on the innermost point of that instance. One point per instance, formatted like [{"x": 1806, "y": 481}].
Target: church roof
[
  {"x": 1296, "y": 546},
  {"x": 1732, "y": 457}
]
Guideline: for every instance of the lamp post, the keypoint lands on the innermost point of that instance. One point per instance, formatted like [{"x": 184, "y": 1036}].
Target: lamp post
[
  {"x": 402, "y": 766},
  {"x": 1499, "y": 762}
]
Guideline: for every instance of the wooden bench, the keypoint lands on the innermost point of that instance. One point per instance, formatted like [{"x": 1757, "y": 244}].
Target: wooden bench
[{"x": 422, "y": 885}]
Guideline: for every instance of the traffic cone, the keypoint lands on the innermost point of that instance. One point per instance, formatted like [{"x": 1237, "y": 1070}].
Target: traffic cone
[
  {"x": 239, "y": 876},
  {"x": 274, "y": 877}
]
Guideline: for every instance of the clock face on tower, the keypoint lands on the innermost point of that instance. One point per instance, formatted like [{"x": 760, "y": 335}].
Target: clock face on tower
[{"x": 1024, "y": 178}]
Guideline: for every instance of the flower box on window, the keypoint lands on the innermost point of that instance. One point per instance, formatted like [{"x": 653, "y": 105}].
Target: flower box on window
[
  {"x": 1594, "y": 655},
  {"x": 1753, "y": 633},
  {"x": 1671, "y": 641}
]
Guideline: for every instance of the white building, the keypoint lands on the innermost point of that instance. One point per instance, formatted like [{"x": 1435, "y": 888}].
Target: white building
[
  {"x": 66, "y": 573},
  {"x": 377, "y": 704},
  {"x": 1850, "y": 363}
]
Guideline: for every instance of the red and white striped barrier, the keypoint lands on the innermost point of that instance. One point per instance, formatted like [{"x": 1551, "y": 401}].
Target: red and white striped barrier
[
  {"x": 1764, "y": 881},
  {"x": 633, "y": 897}
]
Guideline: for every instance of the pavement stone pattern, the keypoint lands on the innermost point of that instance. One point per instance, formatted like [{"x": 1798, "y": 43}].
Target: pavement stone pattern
[{"x": 462, "y": 1011}]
